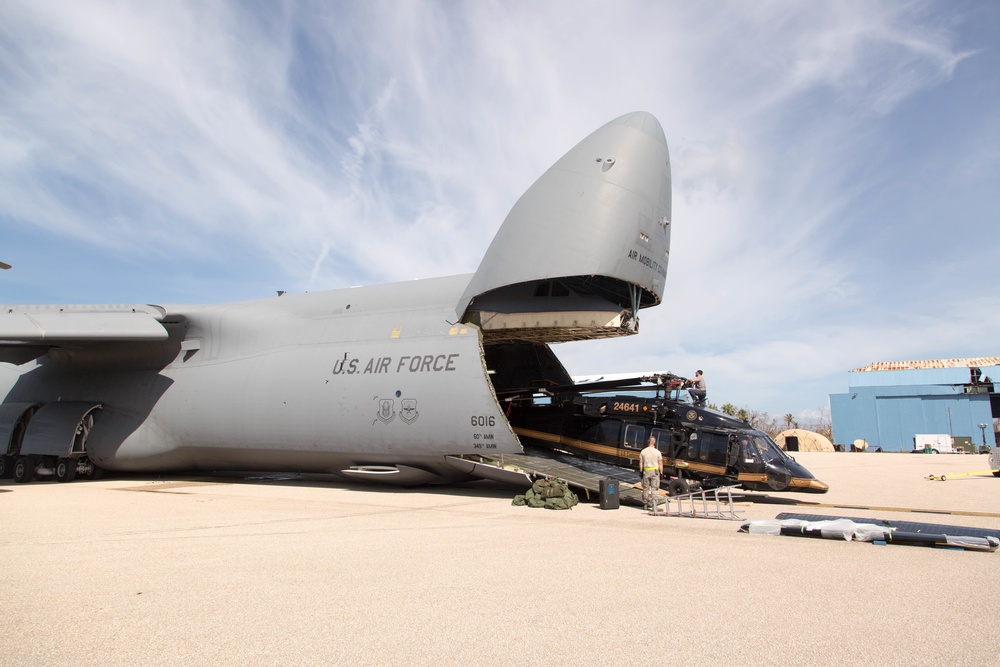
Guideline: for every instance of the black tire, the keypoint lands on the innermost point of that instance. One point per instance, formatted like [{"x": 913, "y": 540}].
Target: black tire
[
  {"x": 96, "y": 473},
  {"x": 996, "y": 473},
  {"x": 24, "y": 469},
  {"x": 6, "y": 467},
  {"x": 678, "y": 487},
  {"x": 66, "y": 470}
]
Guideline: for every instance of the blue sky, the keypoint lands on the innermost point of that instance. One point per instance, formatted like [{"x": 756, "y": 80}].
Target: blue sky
[{"x": 835, "y": 164}]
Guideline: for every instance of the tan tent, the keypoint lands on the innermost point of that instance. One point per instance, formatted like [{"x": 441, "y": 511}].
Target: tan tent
[{"x": 807, "y": 441}]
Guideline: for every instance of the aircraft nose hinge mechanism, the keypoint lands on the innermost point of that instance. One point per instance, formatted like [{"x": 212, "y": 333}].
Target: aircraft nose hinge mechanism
[
  {"x": 632, "y": 321},
  {"x": 569, "y": 308}
]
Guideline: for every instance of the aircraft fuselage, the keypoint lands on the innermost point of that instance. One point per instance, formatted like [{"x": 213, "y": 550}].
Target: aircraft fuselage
[{"x": 314, "y": 382}]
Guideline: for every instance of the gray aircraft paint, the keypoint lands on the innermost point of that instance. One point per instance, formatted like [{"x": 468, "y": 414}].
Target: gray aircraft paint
[
  {"x": 602, "y": 209},
  {"x": 389, "y": 379}
]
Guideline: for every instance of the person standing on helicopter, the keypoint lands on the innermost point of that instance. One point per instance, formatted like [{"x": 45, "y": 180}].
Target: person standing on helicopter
[{"x": 697, "y": 392}]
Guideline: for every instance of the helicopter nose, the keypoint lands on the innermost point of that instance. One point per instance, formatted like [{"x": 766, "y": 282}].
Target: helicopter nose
[{"x": 818, "y": 486}]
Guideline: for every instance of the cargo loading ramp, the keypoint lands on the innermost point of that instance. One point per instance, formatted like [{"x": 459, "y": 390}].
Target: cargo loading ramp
[{"x": 525, "y": 468}]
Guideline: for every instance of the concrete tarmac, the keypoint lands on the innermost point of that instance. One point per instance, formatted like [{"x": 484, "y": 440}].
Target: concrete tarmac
[{"x": 188, "y": 570}]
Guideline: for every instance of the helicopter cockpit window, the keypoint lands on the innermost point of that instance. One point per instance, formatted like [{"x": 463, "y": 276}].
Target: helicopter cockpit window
[
  {"x": 769, "y": 450},
  {"x": 748, "y": 450}
]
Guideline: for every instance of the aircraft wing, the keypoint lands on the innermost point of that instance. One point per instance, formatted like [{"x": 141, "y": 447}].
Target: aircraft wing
[{"x": 27, "y": 332}]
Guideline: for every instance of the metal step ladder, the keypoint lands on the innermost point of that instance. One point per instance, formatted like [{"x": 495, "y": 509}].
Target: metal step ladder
[{"x": 700, "y": 504}]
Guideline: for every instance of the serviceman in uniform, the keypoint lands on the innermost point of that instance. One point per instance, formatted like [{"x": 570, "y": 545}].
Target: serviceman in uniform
[{"x": 651, "y": 463}]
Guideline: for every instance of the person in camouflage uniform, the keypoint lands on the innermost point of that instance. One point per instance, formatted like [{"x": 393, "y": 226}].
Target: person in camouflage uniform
[{"x": 651, "y": 465}]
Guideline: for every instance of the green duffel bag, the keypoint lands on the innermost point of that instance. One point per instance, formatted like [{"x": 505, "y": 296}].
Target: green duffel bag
[
  {"x": 557, "y": 491},
  {"x": 533, "y": 501},
  {"x": 557, "y": 504},
  {"x": 540, "y": 486}
]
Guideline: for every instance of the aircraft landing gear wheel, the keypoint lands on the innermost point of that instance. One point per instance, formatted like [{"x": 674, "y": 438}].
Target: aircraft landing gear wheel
[
  {"x": 678, "y": 487},
  {"x": 24, "y": 469},
  {"x": 96, "y": 473},
  {"x": 66, "y": 470},
  {"x": 6, "y": 467}
]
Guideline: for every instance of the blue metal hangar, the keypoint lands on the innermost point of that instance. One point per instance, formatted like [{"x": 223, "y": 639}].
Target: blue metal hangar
[{"x": 889, "y": 402}]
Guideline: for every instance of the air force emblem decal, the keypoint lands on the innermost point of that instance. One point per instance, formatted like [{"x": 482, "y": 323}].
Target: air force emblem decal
[
  {"x": 408, "y": 410},
  {"x": 386, "y": 413}
]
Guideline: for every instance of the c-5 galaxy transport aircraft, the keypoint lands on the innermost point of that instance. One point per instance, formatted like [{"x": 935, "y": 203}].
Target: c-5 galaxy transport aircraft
[{"x": 393, "y": 382}]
